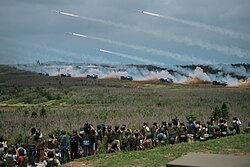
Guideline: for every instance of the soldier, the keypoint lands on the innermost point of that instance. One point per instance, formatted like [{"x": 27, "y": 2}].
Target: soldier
[
  {"x": 161, "y": 138},
  {"x": 124, "y": 138},
  {"x": 147, "y": 142},
  {"x": 10, "y": 158},
  {"x": 40, "y": 145},
  {"x": 145, "y": 129},
  {"x": 32, "y": 147},
  {"x": 236, "y": 124},
  {"x": 51, "y": 161},
  {"x": 231, "y": 131},
  {"x": 74, "y": 140},
  {"x": 203, "y": 133},
  {"x": 210, "y": 130},
  {"x": 99, "y": 136},
  {"x": 154, "y": 131},
  {"x": 51, "y": 143},
  {"x": 197, "y": 130},
  {"x": 190, "y": 131},
  {"x": 86, "y": 135},
  {"x": 117, "y": 133},
  {"x": 92, "y": 139},
  {"x": 223, "y": 127},
  {"x": 171, "y": 133},
  {"x": 138, "y": 140},
  {"x": 217, "y": 132},
  {"x": 111, "y": 142},
  {"x": 182, "y": 133},
  {"x": 64, "y": 146}
]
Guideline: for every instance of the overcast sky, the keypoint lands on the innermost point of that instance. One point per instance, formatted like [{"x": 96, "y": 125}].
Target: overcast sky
[{"x": 188, "y": 31}]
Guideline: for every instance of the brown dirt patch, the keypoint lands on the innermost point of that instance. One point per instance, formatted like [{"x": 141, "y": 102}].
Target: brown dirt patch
[{"x": 79, "y": 164}]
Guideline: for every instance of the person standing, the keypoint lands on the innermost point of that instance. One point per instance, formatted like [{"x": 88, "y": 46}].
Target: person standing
[
  {"x": 32, "y": 147},
  {"x": 64, "y": 146}
]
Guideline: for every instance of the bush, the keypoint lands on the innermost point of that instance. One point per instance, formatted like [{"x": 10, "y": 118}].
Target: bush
[
  {"x": 43, "y": 112},
  {"x": 34, "y": 114},
  {"x": 221, "y": 112}
]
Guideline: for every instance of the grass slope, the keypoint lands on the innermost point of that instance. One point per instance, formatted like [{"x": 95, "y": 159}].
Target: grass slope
[{"x": 237, "y": 145}]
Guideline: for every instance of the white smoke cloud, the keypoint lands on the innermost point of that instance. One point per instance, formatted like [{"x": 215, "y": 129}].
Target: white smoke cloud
[{"x": 140, "y": 73}]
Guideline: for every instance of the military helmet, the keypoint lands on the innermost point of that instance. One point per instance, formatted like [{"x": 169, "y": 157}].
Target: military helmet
[
  {"x": 33, "y": 130},
  {"x": 136, "y": 132},
  {"x": 117, "y": 127},
  {"x": 123, "y": 128},
  {"x": 160, "y": 137},
  {"x": 162, "y": 130},
  {"x": 50, "y": 154},
  {"x": 63, "y": 132},
  {"x": 21, "y": 151},
  {"x": 99, "y": 127},
  {"x": 10, "y": 150},
  {"x": 50, "y": 135}
]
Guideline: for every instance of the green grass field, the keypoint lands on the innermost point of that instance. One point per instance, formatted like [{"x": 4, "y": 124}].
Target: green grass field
[{"x": 159, "y": 156}]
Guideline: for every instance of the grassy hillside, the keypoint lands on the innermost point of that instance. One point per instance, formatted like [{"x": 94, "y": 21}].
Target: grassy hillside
[
  {"x": 237, "y": 145},
  {"x": 51, "y": 103}
]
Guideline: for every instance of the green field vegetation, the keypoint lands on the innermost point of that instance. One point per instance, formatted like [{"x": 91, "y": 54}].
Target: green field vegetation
[
  {"x": 51, "y": 103},
  {"x": 159, "y": 156}
]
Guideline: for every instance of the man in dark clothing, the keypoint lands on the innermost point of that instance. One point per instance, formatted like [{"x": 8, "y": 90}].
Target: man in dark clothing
[
  {"x": 32, "y": 147},
  {"x": 74, "y": 140}
]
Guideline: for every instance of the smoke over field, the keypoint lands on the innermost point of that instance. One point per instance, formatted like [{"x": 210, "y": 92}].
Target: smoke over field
[{"x": 231, "y": 75}]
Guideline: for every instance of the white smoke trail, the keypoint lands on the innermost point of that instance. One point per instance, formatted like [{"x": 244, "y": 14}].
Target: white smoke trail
[
  {"x": 146, "y": 61},
  {"x": 167, "y": 54},
  {"x": 228, "y": 50},
  {"x": 216, "y": 29}
]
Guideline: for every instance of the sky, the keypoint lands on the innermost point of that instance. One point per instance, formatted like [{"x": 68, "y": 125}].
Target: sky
[{"x": 158, "y": 32}]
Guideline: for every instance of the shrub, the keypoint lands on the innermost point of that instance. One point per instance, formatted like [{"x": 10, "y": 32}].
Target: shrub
[
  {"x": 34, "y": 114},
  {"x": 43, "y": 112},
  {"x": 221, "y": 112}
]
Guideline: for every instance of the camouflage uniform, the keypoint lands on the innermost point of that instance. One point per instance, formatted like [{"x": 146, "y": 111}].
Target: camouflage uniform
[
  {"x": 182, "y": 133},
  {"x": 190, "y": 131},
  {"x": 40, "y": 150},
  {"x": 171, "y": 133},
  {"x": 32, "y": 147}
]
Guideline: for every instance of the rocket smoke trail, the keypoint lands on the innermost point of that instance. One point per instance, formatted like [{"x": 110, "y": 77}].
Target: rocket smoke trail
[
  {"x": 211, "y": 28},
  {"x": 167, "y": 54},
  {"x": 227, "y": 50},
  {"x": 146, "y": 61}
]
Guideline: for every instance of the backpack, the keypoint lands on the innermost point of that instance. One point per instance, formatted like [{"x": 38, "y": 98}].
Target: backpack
[
  {"x": 210, "y": 130},
  {"x": 73, "y": 140},
  {"x": 51, "y": 145},
  {"x": 203, "y": 131}
]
